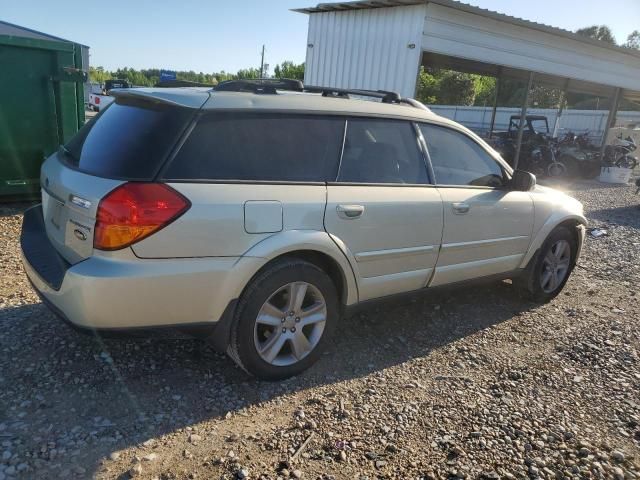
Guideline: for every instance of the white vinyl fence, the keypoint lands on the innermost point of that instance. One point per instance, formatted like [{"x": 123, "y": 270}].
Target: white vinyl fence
[{"x": 478, "y": 119}]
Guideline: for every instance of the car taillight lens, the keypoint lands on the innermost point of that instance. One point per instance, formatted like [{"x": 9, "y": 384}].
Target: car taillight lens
[
  {"x": 97, "y": 100},
  {"x": 134, "y": 211}
]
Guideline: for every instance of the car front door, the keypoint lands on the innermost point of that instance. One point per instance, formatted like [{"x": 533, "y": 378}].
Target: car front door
[
  {"x": 382, "y": 211},
  {"x": 487, "y": 228}
]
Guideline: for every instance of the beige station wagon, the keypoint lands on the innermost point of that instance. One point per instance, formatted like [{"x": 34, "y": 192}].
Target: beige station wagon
[{"x": 256, "y": 214}]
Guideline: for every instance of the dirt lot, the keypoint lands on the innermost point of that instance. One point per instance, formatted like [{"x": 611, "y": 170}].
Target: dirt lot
[{"x": 477, "y": 383}]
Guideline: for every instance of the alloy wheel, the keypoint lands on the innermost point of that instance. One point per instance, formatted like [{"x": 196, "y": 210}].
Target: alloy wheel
[
  {"x": 290, "y": 324},
  {"x": 555, "y": 266}
]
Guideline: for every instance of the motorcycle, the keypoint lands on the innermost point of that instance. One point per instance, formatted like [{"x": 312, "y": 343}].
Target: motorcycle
[
  {"x": 619, "y": 153},
  {"x": 544, "y": 160},
  {"x": 578, "y": 155}
]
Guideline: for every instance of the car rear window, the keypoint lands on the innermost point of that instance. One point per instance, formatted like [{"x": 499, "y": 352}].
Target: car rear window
[
  {"x": 260, "y": 147},
  {"x": 130, "y": 139}
]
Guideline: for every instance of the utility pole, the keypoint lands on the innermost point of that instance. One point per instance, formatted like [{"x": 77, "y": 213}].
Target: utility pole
[{"x": 262, "y": 64}]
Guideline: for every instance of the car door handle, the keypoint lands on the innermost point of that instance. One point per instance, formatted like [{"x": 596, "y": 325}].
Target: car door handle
[
  {"x": 350, "y": 212},
  {"x": 460, "y": 208}
]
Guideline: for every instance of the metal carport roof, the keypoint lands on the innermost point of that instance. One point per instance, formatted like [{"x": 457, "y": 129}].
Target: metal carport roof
[
  {"x": 464, "y": 37},
  {"x": 381, "y": 44}
]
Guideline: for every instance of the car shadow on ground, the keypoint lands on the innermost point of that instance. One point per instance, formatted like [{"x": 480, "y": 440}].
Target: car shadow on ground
[
  {"x": 626, "y": 216},
  {"x": 119, "y": 393},
  {"x": 15, "y": 208}
]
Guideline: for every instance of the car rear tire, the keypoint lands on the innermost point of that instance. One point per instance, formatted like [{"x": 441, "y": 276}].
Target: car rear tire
[
  {"x": 548, "y": 273},
  {"x": 283, "y": 320}
]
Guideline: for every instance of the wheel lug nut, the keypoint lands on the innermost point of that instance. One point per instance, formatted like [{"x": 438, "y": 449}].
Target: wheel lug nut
[
  {"x": 297, "y": 319},
  {"x": 291, "y": 314},
  {"x": 283, "y": 320},
  {"x": 293, "y": 329},
  {"x": 284, "y": 330}
]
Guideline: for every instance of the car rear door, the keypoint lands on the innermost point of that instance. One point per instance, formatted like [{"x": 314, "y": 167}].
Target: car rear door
[
  {"x": 382, "y": 211},
  {"x": 487, "y": 227}
]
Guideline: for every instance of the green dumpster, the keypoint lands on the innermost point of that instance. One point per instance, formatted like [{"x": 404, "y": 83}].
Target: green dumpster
[{"x": 41, "y": 107}]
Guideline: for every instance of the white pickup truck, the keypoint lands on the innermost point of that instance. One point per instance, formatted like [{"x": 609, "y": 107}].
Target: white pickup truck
[{"x": 98, "y": 101}]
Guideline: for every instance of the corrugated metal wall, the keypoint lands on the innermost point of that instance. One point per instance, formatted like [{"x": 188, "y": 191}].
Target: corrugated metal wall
[{"x": 366, "y": 48}]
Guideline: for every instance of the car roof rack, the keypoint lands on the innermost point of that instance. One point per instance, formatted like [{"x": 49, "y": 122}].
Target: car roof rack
[
  {"x": 272, "y": 85},
  {"x": 181, "y": 83},
  {"x": 260, "y": 85},
  {"x": 384, "y": 95}
]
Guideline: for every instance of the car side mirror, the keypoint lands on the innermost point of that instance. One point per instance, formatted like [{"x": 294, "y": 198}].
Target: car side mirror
[{"x": 522, "y": 181}]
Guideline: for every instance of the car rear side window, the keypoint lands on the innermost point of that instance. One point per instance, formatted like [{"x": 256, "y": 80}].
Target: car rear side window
[
  {"x": 130, "y": 139},
  {"x": 381, "y": 151},
  {"x": 260, "y": 147}
]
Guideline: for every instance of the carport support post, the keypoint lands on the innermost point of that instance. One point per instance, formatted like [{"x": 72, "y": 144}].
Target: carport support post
[
  {"x": 523, "y": 115},
  {"x": 495, "y": 104},
  {"x": 563, "y": 104},
  {"x": 611, "y": 120}
]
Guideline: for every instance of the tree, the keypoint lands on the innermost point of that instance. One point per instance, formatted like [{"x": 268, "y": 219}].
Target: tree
[
  {"x": 598, "y": 32},
  {"x": 288, "y": 69},
  {"x": 485, "y": 89},
  {"x": 98, "y": 75},
  {"x": 545, "y": 97},
  {"x": 633, "y": 40},
  {"x": 456, "y": 88},
  {"x": 248, "y": 73},
  {"x": 427, "y": 90}
]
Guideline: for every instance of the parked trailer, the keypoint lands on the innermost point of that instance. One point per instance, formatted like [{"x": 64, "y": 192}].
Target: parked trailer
[{"x": 41, "y": 107}]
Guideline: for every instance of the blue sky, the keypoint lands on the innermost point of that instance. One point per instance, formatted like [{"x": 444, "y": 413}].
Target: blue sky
[{"x": 214, "y": 35}]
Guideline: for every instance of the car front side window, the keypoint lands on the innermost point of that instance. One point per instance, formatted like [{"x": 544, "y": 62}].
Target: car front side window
[{"x": 458, "y": 160}]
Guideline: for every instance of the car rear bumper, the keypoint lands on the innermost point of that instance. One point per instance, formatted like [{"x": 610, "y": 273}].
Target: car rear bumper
[{"x": 126, "y": 294}]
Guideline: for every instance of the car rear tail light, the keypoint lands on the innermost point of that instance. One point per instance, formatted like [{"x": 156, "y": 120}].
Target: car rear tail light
[
  {"x": 97, "y": 100},
  {"x": 134, "y": 211}
]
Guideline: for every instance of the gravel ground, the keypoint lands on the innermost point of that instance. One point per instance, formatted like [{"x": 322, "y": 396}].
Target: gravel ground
[{"x": 476, "y": 383}]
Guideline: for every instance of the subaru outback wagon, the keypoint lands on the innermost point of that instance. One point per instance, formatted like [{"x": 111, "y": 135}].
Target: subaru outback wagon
[{"x": 256, "y": 216}]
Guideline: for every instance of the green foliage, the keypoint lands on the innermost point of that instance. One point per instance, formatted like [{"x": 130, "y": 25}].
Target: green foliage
[
  {"x": 545, "y": 97},
  {"x": 248, "y": 73},
  {"x": 604, "y": 34},
  {"x": 446, "y": 87},
  {"x": 150, "y": 76},
  {"x": 598, "y": 32},
  {"x": 633, "y": 40},
  {"x": 485, "y": 90},
  {"x": 288, "y": 69},
  {"x": 427, "y": 88},
  {"x": 456, "y": 88},
  {"x": 98, "y": 75}
]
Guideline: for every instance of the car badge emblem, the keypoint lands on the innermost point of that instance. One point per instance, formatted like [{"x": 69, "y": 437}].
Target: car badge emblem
[{"x": 80, "y": 235}]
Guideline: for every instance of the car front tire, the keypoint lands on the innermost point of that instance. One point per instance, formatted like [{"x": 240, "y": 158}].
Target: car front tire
[
  {"x": 283, "y": 320},
  {"x": 547, "y": 275}
]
